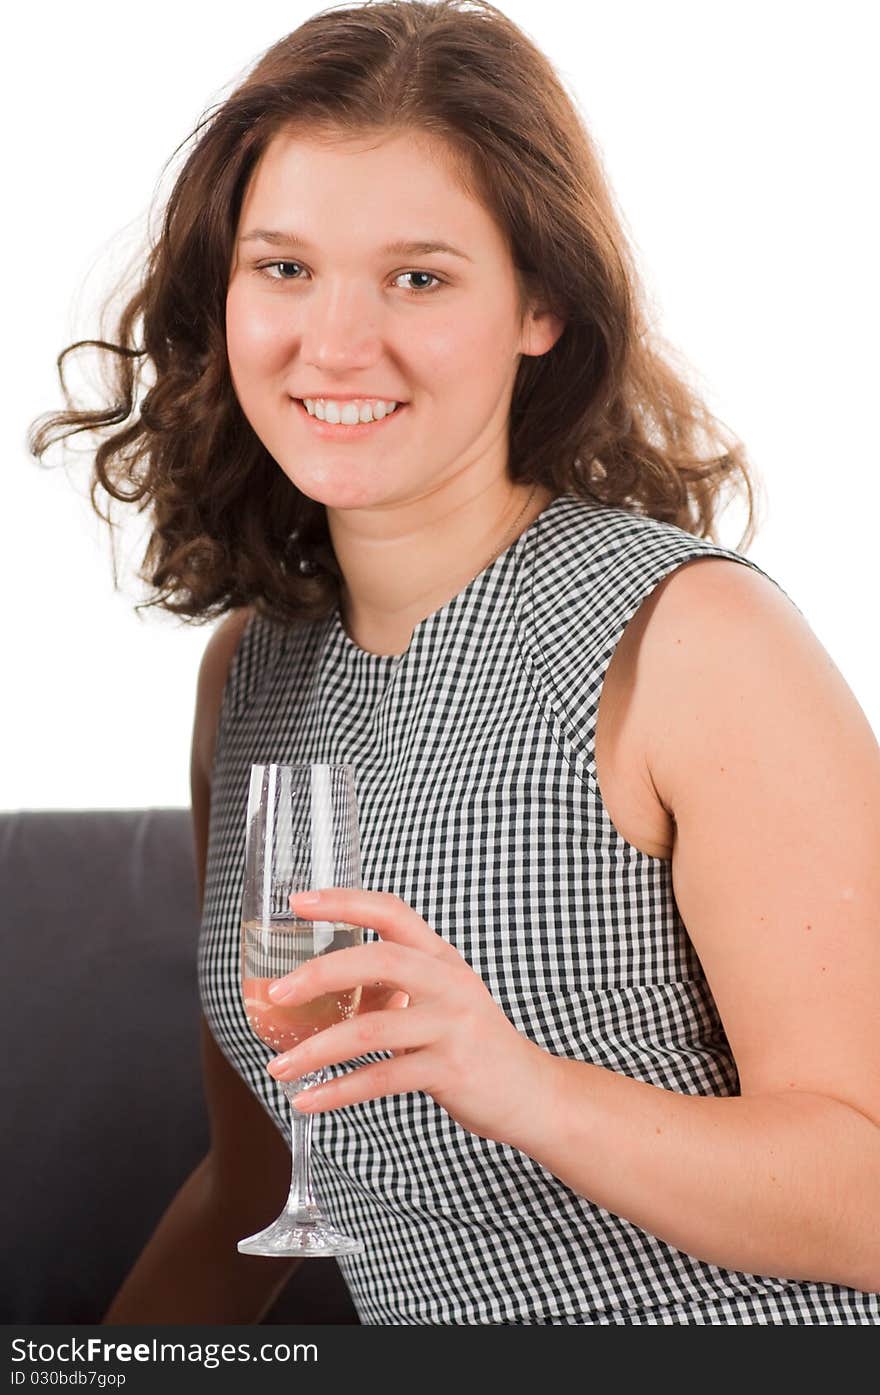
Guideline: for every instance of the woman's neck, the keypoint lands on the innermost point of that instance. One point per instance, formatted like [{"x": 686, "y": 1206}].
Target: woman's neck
[{"x": 400, "y": 565}]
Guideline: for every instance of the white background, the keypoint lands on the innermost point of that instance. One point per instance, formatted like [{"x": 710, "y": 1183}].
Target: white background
[{"x": 739, "y": 140}]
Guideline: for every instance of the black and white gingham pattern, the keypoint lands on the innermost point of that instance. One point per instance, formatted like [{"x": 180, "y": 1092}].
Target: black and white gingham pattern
[{"x": 479, "y": 806}]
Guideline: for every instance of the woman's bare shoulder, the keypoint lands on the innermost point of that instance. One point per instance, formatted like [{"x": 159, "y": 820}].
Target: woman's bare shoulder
[
  {"x": 648, "y": 682},
  {"x": 225, "y": 639},
  {"x": 213, "y": 672},
  {"x": 713, "y": 627}
]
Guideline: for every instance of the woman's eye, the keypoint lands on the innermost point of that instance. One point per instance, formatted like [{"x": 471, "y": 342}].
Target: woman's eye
[
  {"x": 269, "y": 269},
  {"x": 269, "y": 266},
  {"x": 421, "y": 290}
]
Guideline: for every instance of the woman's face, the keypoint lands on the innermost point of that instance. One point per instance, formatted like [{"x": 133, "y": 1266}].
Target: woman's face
[{"x": 321, "y": 306}]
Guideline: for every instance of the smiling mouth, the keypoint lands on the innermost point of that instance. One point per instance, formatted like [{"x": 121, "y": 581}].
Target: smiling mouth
[{"x": 344, "y": 431}]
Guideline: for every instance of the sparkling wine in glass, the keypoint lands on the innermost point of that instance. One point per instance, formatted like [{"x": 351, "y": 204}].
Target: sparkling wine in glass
[{"x": 302, "y": 835}]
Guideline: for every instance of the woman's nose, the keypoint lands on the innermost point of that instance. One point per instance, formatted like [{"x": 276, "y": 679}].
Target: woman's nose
[{"x": 340, "y": 325}]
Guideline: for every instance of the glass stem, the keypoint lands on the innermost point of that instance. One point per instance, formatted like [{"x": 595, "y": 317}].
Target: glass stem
[{"x": 300, "y": 1201}]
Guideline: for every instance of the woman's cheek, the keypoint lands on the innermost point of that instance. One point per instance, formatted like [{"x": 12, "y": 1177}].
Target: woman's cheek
[{"x": 257, "y": 338}]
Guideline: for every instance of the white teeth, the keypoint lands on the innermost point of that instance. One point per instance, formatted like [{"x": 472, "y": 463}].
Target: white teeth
[{"x": 348, "y": 413}]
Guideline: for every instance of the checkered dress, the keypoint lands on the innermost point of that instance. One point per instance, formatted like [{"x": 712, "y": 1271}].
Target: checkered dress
[{"x": 479, "y": 806}]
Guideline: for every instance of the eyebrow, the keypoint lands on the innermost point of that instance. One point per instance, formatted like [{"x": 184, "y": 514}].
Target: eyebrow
[{"x": 419, "y": 248}]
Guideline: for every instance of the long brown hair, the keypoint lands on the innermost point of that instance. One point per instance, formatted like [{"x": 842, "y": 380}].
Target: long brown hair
[{"x": 604, "y": 414}]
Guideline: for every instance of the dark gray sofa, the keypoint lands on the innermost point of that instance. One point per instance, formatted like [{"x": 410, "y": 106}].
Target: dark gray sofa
[{"x": 103, "y": 1111}]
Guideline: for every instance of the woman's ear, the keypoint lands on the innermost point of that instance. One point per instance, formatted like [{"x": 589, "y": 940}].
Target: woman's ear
[{"x": 541, "y": 329}]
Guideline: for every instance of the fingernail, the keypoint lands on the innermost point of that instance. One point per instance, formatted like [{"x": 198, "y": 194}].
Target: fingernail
[
  {"x": 306, "y": 1101},
  {"x": 278, "y": 1067},
  {"x": 281, "y": 990},
  {"x": 305, "y": 898}
]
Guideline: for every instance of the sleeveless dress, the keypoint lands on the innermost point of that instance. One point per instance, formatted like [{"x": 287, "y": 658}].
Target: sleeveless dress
[{"x": 479, "y": 806}]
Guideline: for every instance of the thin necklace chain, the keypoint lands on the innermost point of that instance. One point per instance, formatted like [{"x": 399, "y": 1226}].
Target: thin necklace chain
[{"x": 512, "y": 534}]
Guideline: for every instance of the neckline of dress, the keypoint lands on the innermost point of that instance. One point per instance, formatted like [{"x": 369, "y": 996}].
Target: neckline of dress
[{"x": 345, "y": 642}]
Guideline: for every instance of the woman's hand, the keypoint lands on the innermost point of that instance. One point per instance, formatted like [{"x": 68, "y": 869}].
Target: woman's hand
[{"x": 452, "y": 1040}]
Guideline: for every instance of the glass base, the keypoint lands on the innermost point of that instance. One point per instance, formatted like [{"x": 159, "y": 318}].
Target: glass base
[{"x": 305, "y": 1234}]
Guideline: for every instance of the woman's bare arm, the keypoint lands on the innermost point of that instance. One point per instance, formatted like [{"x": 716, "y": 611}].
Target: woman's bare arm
[{"x": 772, "y": 774}]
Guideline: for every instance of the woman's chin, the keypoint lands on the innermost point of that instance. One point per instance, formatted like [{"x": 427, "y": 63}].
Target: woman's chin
[{"x": 340, "y": 487}]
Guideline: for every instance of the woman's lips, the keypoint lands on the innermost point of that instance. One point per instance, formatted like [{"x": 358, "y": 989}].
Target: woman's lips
[{"x": 338, "y": 431}]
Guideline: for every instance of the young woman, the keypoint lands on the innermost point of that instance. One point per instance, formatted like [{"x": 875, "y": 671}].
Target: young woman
[{"x": 619, "y": 811}]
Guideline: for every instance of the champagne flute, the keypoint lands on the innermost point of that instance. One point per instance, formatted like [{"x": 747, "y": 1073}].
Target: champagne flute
[{"x": 302, "y": 835}]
